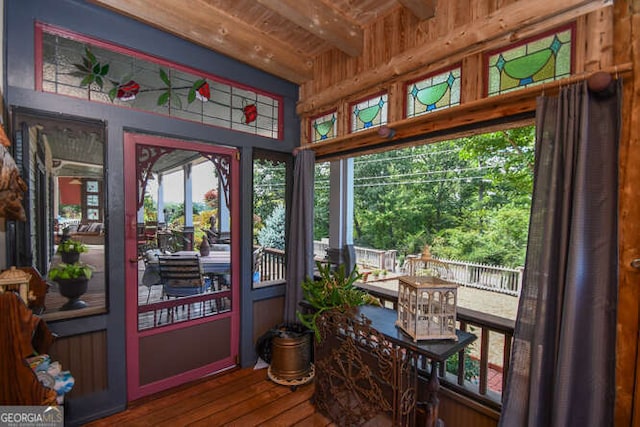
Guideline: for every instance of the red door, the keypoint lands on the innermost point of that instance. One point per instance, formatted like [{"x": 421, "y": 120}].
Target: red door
[{"x": 179, "y": 329}]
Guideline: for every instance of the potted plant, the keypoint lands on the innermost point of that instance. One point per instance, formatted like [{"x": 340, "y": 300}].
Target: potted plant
[
  {"x": 72, "y": 280},
  {"x": 334, "y": 290},
  {"x": 70, "y": 250}
]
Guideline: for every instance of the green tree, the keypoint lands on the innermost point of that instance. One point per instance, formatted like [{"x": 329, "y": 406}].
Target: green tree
[
  {"x": 468, "y": 198},
  {"x": 321, "y": 201},
  {"x": 273, "y": 233},
  {"x": 269, "y": 190}
]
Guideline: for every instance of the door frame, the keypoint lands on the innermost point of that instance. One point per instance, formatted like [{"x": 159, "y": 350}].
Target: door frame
[{"x": 136, "y": 390}]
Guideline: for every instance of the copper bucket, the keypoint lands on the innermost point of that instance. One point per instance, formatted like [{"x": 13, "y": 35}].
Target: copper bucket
[{"x": 291, "y": 355}]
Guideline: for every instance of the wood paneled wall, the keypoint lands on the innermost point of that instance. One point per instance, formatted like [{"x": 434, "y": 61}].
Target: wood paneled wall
[
  {"x": 626, "y": 37},
  {"x": 399, "y": 48},
  {"x": 267, "y": 313},
  {"x": 85, "y": 356},
  {"x": 457, "y": 410}
]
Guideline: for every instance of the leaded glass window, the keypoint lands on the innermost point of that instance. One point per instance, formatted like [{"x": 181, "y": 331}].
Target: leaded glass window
[
  {"x": 74, "y": 65},
  {"x": 324, "y": 127},
  {"x": 369, "y": 113},
  {"x": 545, "y": 58},
  {"x": 441, "y": 90}
]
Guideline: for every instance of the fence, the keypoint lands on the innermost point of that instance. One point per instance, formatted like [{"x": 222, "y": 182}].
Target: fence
[
  {"x": 482, "y": 276},
  {"x": 365, "y": 257}
]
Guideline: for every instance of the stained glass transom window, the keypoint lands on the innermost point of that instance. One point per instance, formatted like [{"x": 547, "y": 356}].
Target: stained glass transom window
[
  {"x": 324, "y": 127},
  {"x": 434, "y": 92},
  {"x": 542, "y": 59},
  {"x": 369, "y": 113},
  {"x": 76, "y": 66}
]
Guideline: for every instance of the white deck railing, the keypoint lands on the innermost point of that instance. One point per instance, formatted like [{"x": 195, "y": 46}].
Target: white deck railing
[
  {"x": 365, "y": 257},
  {"x": 482, "y": 276}
]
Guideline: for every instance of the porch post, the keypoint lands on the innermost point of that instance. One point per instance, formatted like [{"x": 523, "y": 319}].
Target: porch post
[
  {"x": 341, "y": 212},
  {"x": 160, "y": 209},
  {"x": 187, "y": 230},
  {"x": 224, "y": 224}
]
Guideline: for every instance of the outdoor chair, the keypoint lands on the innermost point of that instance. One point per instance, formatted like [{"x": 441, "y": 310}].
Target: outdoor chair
[
  {"x": 181, "y": 276},
  {"x": 151, "y": 276}
]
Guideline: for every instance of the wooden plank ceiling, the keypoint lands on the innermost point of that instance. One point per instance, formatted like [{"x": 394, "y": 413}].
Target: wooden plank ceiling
[{"x": 281, "y": 37}]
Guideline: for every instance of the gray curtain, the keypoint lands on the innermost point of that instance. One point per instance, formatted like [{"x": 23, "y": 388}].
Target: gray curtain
[
  {"x": 300, "y": 247},
  {"x": 562, "y": 369}
]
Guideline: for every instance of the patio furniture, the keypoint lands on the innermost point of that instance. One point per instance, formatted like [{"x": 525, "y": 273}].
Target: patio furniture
[
  {"x": 153, "y": 277},
  {"x": 181, "y": 275}
]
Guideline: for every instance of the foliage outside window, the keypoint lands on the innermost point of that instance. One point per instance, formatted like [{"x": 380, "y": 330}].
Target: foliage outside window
[
  {"x": 269, "y": 217},
  {"x": 469, "y": 199},
  {"x": 544, "y": 58},
  {"x": 77, "y": 66}
]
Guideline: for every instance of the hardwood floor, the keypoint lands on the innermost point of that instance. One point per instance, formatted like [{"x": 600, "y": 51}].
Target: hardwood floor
[{"x": 243, "y": 398}]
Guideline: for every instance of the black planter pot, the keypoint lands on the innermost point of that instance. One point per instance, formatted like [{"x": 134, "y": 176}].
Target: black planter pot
[
  {"x": 70, "y": 257},
  {"x": 73, "y": 289}
]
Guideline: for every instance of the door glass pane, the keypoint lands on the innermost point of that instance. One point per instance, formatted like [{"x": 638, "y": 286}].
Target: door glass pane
[{"x": 184, "y": 235}]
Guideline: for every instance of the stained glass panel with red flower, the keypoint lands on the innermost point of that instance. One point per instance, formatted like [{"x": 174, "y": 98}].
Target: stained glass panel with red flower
[{"x": 94, "y": 70}]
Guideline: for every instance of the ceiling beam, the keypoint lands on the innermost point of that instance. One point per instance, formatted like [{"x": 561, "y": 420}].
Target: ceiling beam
[
  {"x": 469, "y": 38},
  {"x": 199, "y": 22},
  {"x": 423, "y": 9},
  {"x": 323, "y": 21}
]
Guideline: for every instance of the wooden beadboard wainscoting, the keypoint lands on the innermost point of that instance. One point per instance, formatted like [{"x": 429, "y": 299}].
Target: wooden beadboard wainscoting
[{"x": 85, "y": 356}]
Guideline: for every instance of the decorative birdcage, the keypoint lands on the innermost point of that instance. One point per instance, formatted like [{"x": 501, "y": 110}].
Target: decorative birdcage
[{"x": 427, "y": 307}]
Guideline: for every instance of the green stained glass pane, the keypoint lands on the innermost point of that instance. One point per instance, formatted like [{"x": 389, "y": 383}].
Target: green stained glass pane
[
  {"x": 134, "y": 80},
  {"x": 435, "y": 92},
  {"x": 324, "y": 127},
  {"x": 538, "y": 60},
  {"x": 369, "y": 113}
]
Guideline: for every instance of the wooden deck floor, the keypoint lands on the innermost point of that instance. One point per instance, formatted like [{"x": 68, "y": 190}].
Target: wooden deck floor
[{"x": 243, "y": 398}]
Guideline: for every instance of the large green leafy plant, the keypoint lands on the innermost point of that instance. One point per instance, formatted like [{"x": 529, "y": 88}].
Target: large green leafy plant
[
  {"x": 71, "y": 245},
  {"x": 70, "y": 271},
  {"x": 333, "y": 290}
]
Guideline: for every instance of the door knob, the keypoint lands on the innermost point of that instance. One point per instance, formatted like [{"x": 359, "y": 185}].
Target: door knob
[
  {"x": 636, "y": 263},
  {"x": 133, "y": 260}
]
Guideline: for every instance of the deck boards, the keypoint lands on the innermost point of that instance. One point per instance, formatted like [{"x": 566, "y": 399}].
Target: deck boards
[{"x": 243, "y": 397}]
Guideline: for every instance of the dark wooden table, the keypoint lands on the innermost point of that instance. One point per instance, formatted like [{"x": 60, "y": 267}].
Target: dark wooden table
[{"x": 437, "y": 351}]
